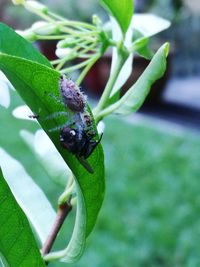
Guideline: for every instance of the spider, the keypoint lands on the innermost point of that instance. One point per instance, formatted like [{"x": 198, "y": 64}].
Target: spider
[
  {"x": 78, "y": 142},
  {"x": 78, "y": 137}
]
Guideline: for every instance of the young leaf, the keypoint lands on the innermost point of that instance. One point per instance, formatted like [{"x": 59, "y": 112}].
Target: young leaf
[
  {"x": 140, "y": 46},
  {"x": 135, "y": 96},
  {"x": 36, "y": 83},
  {"x": 149, "y": 24},
  {"x": 17, "y": 243},
  {"x": 122, "y": 11}
]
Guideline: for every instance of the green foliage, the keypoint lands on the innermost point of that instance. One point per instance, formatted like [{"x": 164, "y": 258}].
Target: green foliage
[
  {"x": 17, "y": 245},
  {"x": 34, "y": 81},
  {"x": 122, "y": 11}
]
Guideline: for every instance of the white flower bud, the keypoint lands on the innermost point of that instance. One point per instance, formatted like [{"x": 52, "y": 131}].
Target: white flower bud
[
  {"x": 65, "y": 53},
  {"x": 44, "y": 28},
  {"x": 96, "y": 20},
  {"x": 18, "y": 2},
  {"x": 66, "y": 42},
  {"x": 33, "y": 5},
  {"x": 27, "y": 34}
]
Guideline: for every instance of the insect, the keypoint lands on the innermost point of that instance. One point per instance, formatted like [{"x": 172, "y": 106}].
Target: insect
[
  {"x": 33, "y": 116},
  {"x": 78, "y": 136}
]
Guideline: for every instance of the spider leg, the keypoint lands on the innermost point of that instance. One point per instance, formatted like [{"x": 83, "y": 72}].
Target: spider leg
[
  {"x": 89, "y": 147},
  {"x": 60, "y": 127},
  {"x": 85, "y": 164},
  {"x": 57, "y": 114},
  {"x": 56, "y": 98}
]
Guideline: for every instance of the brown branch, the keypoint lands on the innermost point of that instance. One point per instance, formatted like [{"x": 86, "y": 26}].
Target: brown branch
[{"x": 63, "y": 211}]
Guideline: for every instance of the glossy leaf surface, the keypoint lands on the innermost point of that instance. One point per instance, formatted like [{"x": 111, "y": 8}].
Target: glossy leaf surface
[{"x": 17, "y": 244}]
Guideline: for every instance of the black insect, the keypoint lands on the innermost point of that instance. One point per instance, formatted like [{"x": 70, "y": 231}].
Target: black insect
[{"x": 33, "y": 116}]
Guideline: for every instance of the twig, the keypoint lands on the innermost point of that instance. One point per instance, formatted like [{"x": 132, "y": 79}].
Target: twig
[{"x": 63, "y": 211}]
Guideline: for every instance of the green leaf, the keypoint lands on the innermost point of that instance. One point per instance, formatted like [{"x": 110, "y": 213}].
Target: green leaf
[
  {"x": 17, "y": 243},
  {"x": 140, "y": 46},
  {"x": 122, "y": 11},
  {"x": 35, "y": 82},
  {"x": 21, "y": 48},
  {"x": 135, "y": 96},
  {"x": 29, "y": 196}
]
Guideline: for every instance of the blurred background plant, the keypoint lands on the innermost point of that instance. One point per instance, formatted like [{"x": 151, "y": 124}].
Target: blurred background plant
[
  {"x": 184, "y": 14},
  {"x": 185, "y": 18}
]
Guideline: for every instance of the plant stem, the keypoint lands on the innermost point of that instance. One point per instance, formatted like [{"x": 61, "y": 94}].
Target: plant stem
[
  {"x": 87, "y": 68},
  {"x": 50, "y": 37},
  {"x": 72, "y": 22},
  {"x": 109, "y": 86},
  {"x": 75, "y": 67},
  {"x": 38, "y": 13},
  {"x": 63, "y": 211}
]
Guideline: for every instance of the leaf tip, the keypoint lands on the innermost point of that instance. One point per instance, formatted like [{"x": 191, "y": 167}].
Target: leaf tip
[{"x": 166, "y": 48}]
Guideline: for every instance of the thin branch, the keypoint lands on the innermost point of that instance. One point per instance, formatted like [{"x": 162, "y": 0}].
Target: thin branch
[{"x": 63, "y": 211}]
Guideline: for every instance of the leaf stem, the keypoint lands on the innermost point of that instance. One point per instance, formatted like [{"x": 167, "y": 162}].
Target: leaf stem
[{"x": 105, "y": 112}]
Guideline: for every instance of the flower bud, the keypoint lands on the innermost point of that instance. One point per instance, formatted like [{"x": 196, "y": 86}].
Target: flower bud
[
  {"x": 33, "y": 5},
  {"x": 68, "y": 42},
  {"x": 43, "y": 28},
  {"x": 96, "y": 20},
  {"x": 18, "y": 2},
  {"x": 67, "y": 53},
  {"x": 61, "y": 44},
  {"x": 27, "y": 34}
]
